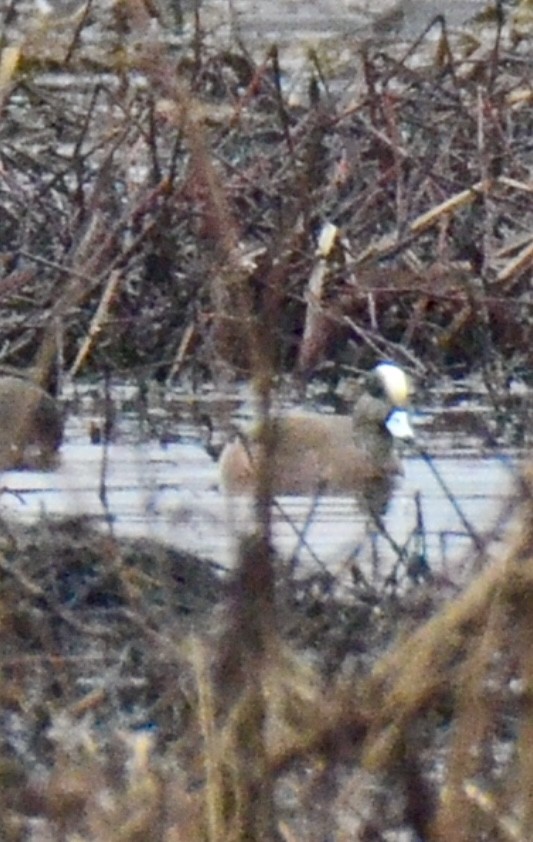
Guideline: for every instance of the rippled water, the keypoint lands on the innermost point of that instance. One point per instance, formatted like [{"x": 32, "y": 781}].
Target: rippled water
[{"x": 171, "y": 493}]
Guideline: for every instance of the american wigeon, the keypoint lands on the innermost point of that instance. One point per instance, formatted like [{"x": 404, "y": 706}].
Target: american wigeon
[
  {"x": 31, "y": 424},
  {"x": 330, "y": 454}
]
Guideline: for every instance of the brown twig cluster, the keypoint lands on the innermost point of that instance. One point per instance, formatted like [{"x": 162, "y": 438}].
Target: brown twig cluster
[{"x": 152, "y": 187}]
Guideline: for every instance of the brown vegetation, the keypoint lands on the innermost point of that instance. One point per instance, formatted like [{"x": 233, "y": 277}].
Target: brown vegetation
[
  {"x": 166, "y": 214},
  {"x": 165, "y": 185},
  {"x": 142, "y": 699}
]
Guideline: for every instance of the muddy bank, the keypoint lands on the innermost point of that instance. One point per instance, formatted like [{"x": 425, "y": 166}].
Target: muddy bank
[{"x": 137, "y": 686}]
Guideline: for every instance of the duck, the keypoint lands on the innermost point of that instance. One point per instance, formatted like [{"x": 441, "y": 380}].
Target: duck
[
  {"x": 31, "y": 423},
  {"x": 314, "y": 453}
]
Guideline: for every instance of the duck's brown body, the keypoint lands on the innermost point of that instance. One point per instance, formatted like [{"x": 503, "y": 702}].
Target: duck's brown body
[
  {"x": 313, "y": 453},
  {"x": 31, "y": 424}
]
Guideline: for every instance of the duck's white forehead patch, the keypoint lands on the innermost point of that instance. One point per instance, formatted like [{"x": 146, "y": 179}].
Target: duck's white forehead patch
[{"x": 395, "y": 382}]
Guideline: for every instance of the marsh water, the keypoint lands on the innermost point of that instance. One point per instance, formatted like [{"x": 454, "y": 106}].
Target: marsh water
[
  {"x": 169, "y": 492},
  {"x": 139, "y": 486}
]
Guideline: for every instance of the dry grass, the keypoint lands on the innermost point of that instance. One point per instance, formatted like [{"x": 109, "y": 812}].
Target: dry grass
[
  {"x": 172, "y": 185},
  {"x": 141, "y": 698}
]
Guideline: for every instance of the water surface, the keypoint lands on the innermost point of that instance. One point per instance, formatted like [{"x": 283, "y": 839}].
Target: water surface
[{"x": 170, "y": 493}]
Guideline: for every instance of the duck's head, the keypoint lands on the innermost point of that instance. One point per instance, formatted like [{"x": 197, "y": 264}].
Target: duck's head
[{"x": 386, "y": 400}]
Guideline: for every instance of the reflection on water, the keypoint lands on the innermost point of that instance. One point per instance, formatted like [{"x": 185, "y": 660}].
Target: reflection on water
[{"x": 170, "y": 493}]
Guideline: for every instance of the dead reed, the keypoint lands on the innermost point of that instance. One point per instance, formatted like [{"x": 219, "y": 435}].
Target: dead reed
[{"x": 171, "y": 223}]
